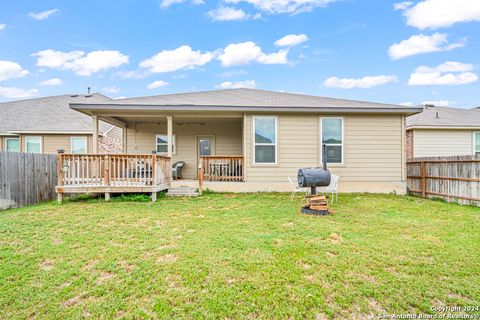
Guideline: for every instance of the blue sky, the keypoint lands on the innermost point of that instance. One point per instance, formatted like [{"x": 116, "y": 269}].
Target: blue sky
[{"x": 386, "y": 51}]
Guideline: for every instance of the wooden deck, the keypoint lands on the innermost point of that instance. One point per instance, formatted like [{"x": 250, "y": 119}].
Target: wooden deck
[{"x": 118, "y": 173}]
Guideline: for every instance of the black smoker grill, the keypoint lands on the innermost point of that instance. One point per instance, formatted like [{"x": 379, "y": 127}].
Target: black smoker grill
[{"x": 313, "y": 178}]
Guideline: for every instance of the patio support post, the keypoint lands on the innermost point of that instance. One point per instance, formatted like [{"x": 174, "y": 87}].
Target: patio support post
[
  {"x": 169, "y": 135},
  {"x": 95, "y": 134}
]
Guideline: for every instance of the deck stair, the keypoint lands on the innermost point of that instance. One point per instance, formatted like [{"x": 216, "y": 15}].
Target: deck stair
[{"x": 182, "y": 192}]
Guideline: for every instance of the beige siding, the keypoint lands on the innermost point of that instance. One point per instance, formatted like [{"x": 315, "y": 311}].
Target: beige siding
[
  {"x": 227, "y": 134},
  {"x": 372, "y": 148},
  {"x": 115, "y": 133},
  {"x": 430, "y": 143},
  {"x": 52, "y": 142}
]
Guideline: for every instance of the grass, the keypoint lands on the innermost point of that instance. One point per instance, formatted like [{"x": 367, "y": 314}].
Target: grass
[{"x": 237, "y": 256}]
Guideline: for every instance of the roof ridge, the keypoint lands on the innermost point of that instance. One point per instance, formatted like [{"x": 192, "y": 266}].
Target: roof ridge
[{"x": 66, "y": 95}]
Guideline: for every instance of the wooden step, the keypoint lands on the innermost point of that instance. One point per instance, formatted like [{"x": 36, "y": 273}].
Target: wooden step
[{"x": 182, "y": 192}]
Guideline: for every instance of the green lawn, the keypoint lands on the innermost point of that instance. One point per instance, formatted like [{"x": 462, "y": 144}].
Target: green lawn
[{"x": 237, "y": 256}]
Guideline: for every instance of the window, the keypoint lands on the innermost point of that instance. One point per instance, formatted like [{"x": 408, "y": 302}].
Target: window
[
  {"x": 12, "y": 144},
  {"x": 265, "y": 139},
  {"x": 477, "y": 142},
  {"x": 162, "y": 144},
  {"x": 33, "y": 144},
  {"x": 78, "y": 145},
  {"x": 332, "y": 137}
]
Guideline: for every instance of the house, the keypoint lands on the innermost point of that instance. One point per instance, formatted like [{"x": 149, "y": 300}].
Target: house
[
  {"x": 47, "y": 124},
  {"x": 442, "y": 131},
  {"x": 250, "y": 140}
]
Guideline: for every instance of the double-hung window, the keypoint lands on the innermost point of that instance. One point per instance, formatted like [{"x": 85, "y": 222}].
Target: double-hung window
[
  {"x": 33, "y": 144},
  {"x": 12, "y": 144},
  {"x": 476, "y": 139},
  {"x": 79, "y": 145},
  {"x": 162, "y": 144},
  {"x": 265, "y": 139},
  {"x": 332, "y": 137}
]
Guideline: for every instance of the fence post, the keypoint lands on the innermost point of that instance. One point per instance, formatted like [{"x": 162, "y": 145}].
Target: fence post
[
  {"x": 106, "y": 176},
  {"x": 60, "y": 173},
  {"x": 424, "y": 179},
  {"x": 200, "y": 178}
]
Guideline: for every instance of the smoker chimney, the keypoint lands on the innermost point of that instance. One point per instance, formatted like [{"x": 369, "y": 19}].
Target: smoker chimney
[
  {"x": 436, "y": 115},
  {"x": 88, "y": 90}
]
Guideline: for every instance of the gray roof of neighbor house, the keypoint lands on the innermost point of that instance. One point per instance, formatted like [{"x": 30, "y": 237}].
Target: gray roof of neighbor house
[
  {"x": 49, "y": 114},
  {"x": 243, "y": 100},
  {"x": 443, "y": 117}
]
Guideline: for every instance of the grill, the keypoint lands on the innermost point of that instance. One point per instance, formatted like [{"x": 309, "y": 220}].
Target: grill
[{"x": 313, "y": 178}]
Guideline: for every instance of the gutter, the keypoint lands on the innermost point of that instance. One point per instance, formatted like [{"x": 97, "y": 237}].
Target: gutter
[
  {"x": 444, "y": 127},
  {"x": 48, "y": 132},
  {"x": 124, "y": 107}
]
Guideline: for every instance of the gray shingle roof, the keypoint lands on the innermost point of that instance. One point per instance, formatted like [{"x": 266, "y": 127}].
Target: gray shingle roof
[
  {"x": 50, "y": 114},
  {"x": 447, "y": 117},
  {"x": 245, "y": 98}
]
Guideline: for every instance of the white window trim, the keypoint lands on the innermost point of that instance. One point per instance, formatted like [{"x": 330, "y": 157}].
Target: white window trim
[
  {"x": 333, "y": 144},
  {"x": 475, "y": 142},
  {"x": 6, "y": 143},
  {"x": 41, "y": 142},
  {"x": 254, "y": 144},
  {"x": 174, "y": 144},
  {"x": 84, "y": 142}
]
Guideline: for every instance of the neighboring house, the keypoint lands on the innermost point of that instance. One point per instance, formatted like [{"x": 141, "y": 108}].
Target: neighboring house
[
  {"x": 441, "y": 131},
  {"x": 47, "y": 124},
  {"x": 272, "y": 133}
]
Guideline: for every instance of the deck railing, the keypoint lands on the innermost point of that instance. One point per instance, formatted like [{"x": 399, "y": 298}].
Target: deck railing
[
  {"x": 113, "y": 170},
  {"x": 223, "y": 168}
]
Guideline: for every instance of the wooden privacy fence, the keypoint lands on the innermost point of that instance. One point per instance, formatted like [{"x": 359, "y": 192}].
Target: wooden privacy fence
[
  {"x": 454, "y": 179},
  {"x": 26, "y": 178}
]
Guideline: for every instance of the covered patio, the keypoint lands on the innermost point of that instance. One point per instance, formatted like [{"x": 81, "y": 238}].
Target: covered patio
[{"x": 209, "y": 146}]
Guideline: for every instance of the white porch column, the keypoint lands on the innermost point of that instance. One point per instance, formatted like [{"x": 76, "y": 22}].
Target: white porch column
[
  {"x": 169, "y": 135},
  {"x": 95, "y": 134}
]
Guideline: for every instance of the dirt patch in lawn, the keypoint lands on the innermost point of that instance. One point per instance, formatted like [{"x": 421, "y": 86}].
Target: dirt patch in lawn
[{"x": 168, "y": 258}]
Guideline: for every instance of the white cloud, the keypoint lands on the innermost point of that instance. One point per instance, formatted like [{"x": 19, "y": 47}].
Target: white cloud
[
  {"x": 438, "y": 103},
  {"x": 136, "y": 74},
  {"x": 247, "y": 52},
  {"x": 172, "y": 60},
  {"x": 17, "y": 93},
  {"x": 291, "y": 40},
  {"x": 79, "y": 62},
  {"x": 51, "y": 82},
  {"x": 167, "y": 3},
  {"x": 11, "y": 70},
  {"x": 3, "y": 26},
  {"x": 448, "y": 73},
  {"x": 431, "y": 14},
  {"x": 43, "y": 15},
  {"x": 232, "y": 73},
  {"x": 111, "y": 90},
  {"x": 285, "y": 6},
  {"x": 157, "y": 84},
  {"x": 227, "y": 14},
  {"x": 250, "y": 84},
  {"x": 402, "y": 5},
  {"x": 418, "y": 44},
  {"x": 365, "y": 82}
]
